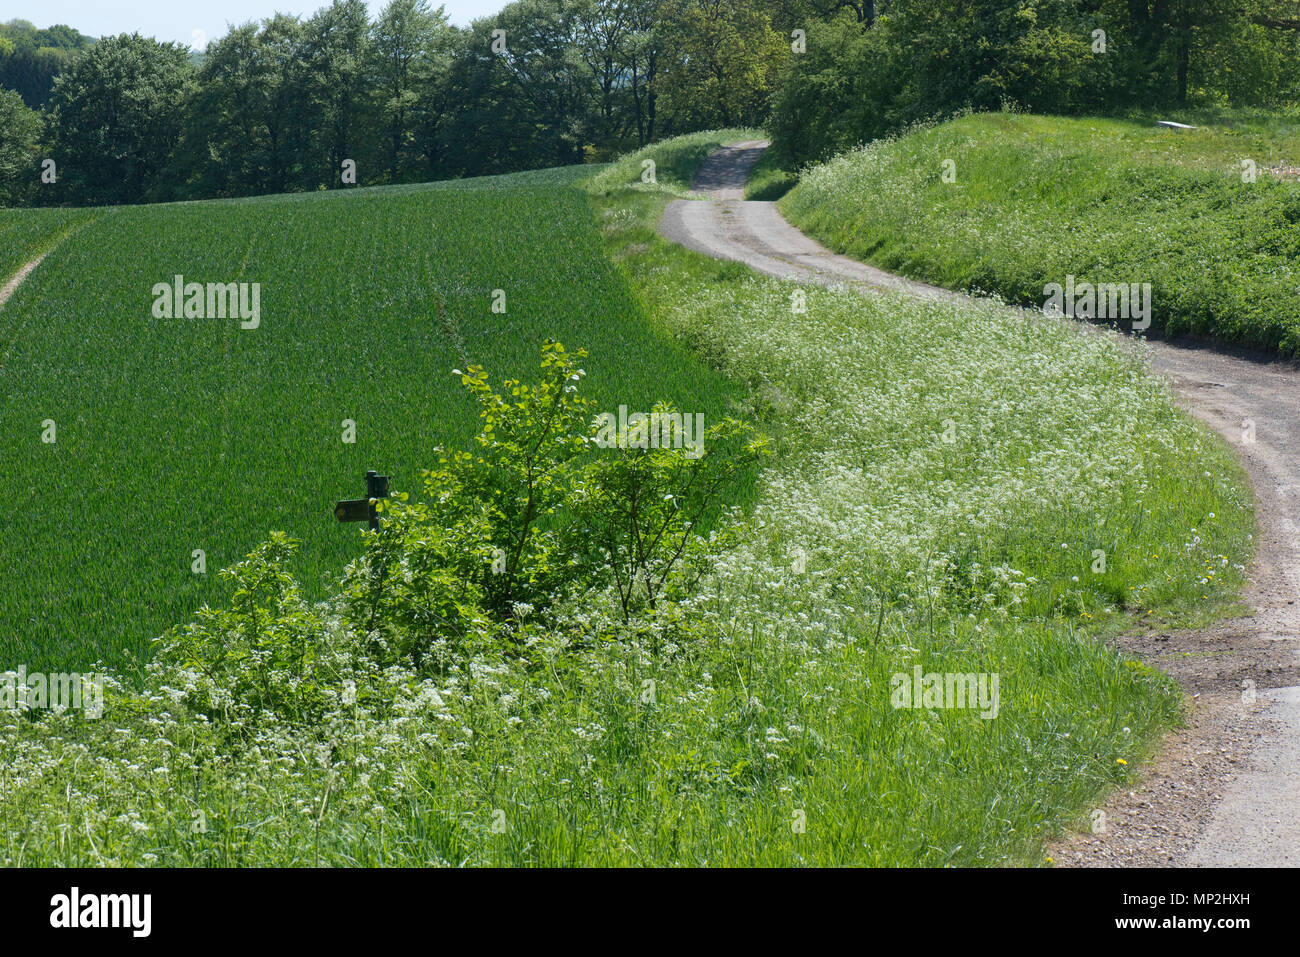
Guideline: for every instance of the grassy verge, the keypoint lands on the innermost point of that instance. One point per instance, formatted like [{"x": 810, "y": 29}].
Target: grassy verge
[
  {"x": 768, "y": 181},
  {"x": 945, "y": 480},
  {"x": 674, "y": 162},
  {"x": 1030, "y": 200},
  {"x": 947, "y": 522}
]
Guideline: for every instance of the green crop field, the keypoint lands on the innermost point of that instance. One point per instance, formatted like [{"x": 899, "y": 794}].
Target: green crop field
[
  {"x": 177, "y": 435},
  {"x": 1033, "y": 199}
]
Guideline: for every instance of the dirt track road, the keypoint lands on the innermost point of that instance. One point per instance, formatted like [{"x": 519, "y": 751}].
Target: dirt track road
[{"x": 1225, "y": 791}]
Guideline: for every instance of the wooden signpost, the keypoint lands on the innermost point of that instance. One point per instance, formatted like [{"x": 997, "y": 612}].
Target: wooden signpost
[{"x": 363, "y": 509}]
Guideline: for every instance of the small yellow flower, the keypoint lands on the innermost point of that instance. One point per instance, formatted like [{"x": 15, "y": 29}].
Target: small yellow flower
[{"x": 1120, "y": 761}]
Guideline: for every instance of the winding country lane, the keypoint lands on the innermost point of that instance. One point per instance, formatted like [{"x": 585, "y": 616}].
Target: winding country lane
[{"x": 1225, "y": 791}]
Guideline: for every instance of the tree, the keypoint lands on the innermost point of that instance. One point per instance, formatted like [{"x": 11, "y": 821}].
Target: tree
[
  {"x": 404, "y": 47},
  {"x": 641, "y": 53},
  {"x": 724, "y": 64},
  {"x": 227, "y": 132},
  {"x": 19, "y": 128},
  {"x": 436, "y": 100},
  {"x": 30, "y": 71},
  {"x": 117, "y": 116},
  {"x": 30, "y": 59},
  {"x": 601, "y": 27},
  {"x": 845, "y": 89},
  {"x": 284, "y": 98},
  {"x": 246, "y": 133},
  {"x": 548, "y": 89},
  {"x": 61, "y": 37},
  {"x": 336, "y": 50},
  {"x": 930, "y": 58}
]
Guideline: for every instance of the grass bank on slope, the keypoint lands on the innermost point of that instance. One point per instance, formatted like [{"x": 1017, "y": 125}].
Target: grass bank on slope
[
  {"x": 1035, "y": 199},
  {"x": 673, "y": 164},
  {"x": 769, "y": 181},
  {"x": 185, "y": 434}
]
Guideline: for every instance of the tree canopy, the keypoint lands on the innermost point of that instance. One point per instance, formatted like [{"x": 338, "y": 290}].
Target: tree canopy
[{"x": 338, "y": 99}]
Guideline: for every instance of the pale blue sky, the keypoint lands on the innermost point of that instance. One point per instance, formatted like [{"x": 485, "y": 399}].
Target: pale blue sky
[{"x": 178, "y": 19}]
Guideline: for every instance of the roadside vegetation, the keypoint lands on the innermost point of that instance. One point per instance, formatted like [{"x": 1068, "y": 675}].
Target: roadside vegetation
[
  {"x": 941, "y": 486},
  {"x": 668, "y": 168},
  {"x": 769, "y": 180},
  {"x": 1209, "y": 217}
]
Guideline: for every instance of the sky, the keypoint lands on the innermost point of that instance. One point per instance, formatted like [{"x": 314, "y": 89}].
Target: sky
[{"x": 178, "y": 20}]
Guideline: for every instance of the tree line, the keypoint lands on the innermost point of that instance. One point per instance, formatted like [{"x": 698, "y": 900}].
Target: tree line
[
  {"x": 292, "y": 104},
  {"x": 884, "y": 64},
  {"x": 30, "y": 59},
  {"x": 286, "y": 104}
]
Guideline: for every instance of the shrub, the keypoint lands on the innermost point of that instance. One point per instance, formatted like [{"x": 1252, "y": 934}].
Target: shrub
[{"x": 511, "y": 540}]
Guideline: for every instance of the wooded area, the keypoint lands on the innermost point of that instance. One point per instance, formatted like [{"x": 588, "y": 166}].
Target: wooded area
[{"x": 280, "y": 105}]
